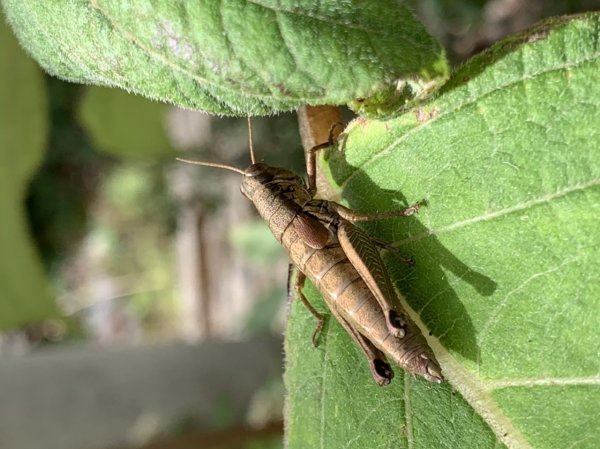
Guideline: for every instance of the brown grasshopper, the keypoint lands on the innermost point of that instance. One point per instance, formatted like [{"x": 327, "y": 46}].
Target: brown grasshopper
[{"x": 344, "y": 263}]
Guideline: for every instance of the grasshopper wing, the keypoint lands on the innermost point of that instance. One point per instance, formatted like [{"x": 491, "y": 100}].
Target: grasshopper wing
[{"x": 366, "y": 259}]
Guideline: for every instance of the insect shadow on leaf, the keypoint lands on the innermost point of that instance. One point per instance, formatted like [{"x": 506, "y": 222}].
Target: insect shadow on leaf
[{"x": 425, "y": 283}]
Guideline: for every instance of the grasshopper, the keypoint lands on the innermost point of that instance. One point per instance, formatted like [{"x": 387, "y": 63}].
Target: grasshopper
[{"x": 343, "y": 262}]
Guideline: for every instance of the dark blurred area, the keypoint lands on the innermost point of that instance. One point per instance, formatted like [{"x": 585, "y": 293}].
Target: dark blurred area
[
  {"x": 162, "y": 287},
  {"x": 466, "y": 27}
]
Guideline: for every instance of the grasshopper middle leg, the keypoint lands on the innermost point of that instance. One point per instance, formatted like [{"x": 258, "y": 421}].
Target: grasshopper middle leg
[
  {"x": 353, "y": 216},
  {"x": 298, "y": 284}
]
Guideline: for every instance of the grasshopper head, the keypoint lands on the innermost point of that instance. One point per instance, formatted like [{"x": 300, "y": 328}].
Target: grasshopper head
[{"x": 257, "y": 176}]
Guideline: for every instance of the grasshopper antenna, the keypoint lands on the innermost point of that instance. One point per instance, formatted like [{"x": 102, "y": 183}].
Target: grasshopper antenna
[
  {"x": 211, "y": 164},
  {"x": 250, "y": 141}
]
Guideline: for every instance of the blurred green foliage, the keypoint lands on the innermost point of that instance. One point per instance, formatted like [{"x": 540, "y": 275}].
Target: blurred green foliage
[
  {"x": 272, "y": 443},
  {"x": 256, "y": 242},
  {"x": 74, "y": 181},
  {"x": 124, "y": 125},
  {"x": 24, "y": 293}
]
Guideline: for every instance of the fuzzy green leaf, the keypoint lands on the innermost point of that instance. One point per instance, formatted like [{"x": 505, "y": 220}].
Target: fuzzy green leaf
[
  {"x": 24, "y": 292},
  {"x": 237, "y": 57},
  {"x": 507, "y": 274}
]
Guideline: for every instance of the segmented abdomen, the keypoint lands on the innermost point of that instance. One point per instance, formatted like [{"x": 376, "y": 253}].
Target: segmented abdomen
[
  {"x": 343, "y": 288},
  {"x": 340, "y": 284}
]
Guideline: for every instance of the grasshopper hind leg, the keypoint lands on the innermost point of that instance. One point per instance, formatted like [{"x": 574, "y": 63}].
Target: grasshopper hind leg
[{"x": 380, "y": 368}]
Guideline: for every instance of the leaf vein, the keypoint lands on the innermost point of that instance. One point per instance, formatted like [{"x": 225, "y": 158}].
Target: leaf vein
[
  {"x": 488, "y": 216},
  {"x": 474, "y": 392},
  {"x": 448, "y": 113},
  {"x": 381, "y": 406},
  {"x": 289, "y": 48},
  {"x": 323, "y": 394},
  {"x": 352, "y": 26},
  {"x": 492, "y": 319},
  {"x": 407, "y": 414}
]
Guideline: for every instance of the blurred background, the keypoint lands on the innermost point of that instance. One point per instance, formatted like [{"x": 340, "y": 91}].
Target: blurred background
[{"x": 142, "y": 302}]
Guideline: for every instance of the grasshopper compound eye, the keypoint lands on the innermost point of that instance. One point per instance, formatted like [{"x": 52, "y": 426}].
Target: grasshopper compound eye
[{"x": 261, "y": 172}]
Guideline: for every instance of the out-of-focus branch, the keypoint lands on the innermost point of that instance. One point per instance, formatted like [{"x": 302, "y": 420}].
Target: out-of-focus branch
[{"x": 217, "y": 439}]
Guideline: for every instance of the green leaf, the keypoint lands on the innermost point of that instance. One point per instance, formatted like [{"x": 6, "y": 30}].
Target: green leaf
[
  {"x": 24, "y": 293},
  {"x": 125, "y": 125},
  {"x": 236, "y": 57},
  {"x": 507, "y": 259}
]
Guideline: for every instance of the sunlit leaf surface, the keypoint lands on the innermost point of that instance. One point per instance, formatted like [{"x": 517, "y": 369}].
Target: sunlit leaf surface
[{"x": 507, "y": 259}]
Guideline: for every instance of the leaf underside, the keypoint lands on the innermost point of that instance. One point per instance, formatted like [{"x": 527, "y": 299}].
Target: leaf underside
[
  {"x": 507, "y": 259},
  {"x": 236, "y": 57}
]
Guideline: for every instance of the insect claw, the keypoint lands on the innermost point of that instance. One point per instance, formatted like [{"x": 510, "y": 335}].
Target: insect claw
[
  {"x": 397, "y": 332},
  {"x": 408, "y": 260},
  {"x": 412, "y": 209}
]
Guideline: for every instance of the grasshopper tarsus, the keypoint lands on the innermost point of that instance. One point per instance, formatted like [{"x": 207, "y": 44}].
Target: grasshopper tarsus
[
  {"x": 333, "y": 135},
  {"x": 411, "y": 210},
  {"x": 408, "y": 260}
]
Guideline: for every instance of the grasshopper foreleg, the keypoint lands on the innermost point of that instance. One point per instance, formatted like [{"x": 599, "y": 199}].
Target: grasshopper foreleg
[{"x": 319, "y": 128}]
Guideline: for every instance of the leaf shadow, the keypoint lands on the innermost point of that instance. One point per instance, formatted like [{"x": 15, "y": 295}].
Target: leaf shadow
[{"x": 426, "y": 283}]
